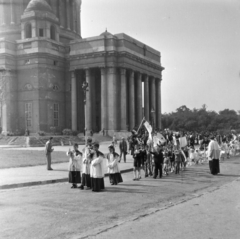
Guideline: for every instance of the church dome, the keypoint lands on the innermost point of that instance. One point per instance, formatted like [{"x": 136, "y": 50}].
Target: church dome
[
  {"x": 106, "y": 33},
  {"x": 38, "y": 5}
]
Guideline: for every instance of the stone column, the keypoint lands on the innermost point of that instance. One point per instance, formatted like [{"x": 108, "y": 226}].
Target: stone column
[
  {"x": 123, "y": 98},
  {"x": 74, "y": 15},
  {"x": 9, "y": 101},
  {"x": 79, "y": 21},
  {"x": 146, "y": 98},
  {"x": 139, "y": 99},
  {"x": 112, "y": 99},
  {"x": 74, "y": 100},
  {"x": 12, "y": 12},
  {"x": 68, "y": 14},
  {"x": 104, "y": 113},
  {"x": 93, "y": 99},
  {"x": 131, "y": 101},
  {"x": 159, "y": 104},
  {"x": 3, "y": 13},
  {"x": 61, "y": 13},
  {"x": 153, "y": 101},
  {"x": 88, "y": 112}
]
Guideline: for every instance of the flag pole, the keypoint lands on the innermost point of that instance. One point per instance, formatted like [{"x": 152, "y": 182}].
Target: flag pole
[{"x": 140, "y": 124}]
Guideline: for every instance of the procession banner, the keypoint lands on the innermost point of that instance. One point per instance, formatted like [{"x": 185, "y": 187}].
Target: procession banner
[
  {"x": 149, "y": 129},
  {"x": 174, "y": 141},
  {"x": 161, "y": 138},
  {"x": 183, "y": 142},
  {"x": 141, "y": 124},
  {"x": 156, "y": 141},
  {"x": 184, "y": 155}
]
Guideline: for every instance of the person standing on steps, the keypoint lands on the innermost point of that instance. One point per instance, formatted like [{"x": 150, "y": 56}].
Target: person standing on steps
[{"x": 48, "y": 150}]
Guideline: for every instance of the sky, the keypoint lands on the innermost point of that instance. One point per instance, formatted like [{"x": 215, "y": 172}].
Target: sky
[{"x": 199, "y": 41}]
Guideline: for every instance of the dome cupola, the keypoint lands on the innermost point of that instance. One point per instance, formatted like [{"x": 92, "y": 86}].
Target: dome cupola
[{"x": 38, "y": 5}]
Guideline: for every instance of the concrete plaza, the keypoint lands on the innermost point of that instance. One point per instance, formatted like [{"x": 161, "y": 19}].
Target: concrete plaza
[{"x": 176, "y": 206}]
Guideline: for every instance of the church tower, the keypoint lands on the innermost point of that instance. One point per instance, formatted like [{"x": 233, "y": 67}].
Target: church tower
[{"x": 34, "y": 46}]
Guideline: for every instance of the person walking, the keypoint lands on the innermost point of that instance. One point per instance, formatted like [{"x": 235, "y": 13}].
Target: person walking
[
  {"x": 96, "y": 168},
  {"x": 74, "y": 166},
  {"x": 123, "y": 149},
  {"x": 158, "y": 161},
  {"x": 112, "y": 166},
  {"x": 86, "y": 181},
  {"x": 213, "y": 156},
  {"x": 48, "y": 150}
]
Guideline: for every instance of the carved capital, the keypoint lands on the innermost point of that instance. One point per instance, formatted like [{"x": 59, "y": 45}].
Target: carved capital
[
  {"x": 123, "y": 71},
  {"x": 103, "y": 71},
  {"x": 146, "y": 78},
  {"x": 112, "y": 70},
  {"x": 73, "y": 74},
  {"x": 131, "y": 74},
  {"x": 87, "y": 71}
]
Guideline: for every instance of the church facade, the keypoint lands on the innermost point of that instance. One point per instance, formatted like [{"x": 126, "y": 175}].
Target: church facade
[{"x": 44, "y": 63}]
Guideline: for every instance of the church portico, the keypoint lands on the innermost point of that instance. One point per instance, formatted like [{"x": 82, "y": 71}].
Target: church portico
[{"x": 114, "y": 99}]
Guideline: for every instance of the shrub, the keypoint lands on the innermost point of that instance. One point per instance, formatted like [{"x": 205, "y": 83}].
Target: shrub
[
  {"x": 10, "y": 133},
  {"x": 74, "y": 133},
  {"x": 67, "y": 132},
  {"x": 41, "y": 133}
]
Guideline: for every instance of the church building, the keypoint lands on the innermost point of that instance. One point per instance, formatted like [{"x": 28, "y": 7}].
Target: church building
[{"x": 45, "y": 62}]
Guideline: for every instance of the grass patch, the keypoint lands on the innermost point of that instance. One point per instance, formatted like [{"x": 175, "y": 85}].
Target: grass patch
[{"x": 23, "y": 158}]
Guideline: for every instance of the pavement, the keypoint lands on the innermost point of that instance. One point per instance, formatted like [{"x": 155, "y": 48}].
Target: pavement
[
  {"x": 39, "y": 175},
  {"x": 211, "y": 215},
  {"x": 193, "y": 204}
]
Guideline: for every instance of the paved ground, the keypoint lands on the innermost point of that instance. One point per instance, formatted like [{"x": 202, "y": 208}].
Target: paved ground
[
  {"x": 214, "y": 215},
  {"x": 27, "y": 176},
  {"x": 171, "y": 207}
]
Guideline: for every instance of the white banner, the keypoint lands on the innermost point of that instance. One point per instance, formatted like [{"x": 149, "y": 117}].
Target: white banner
[
  {"x": 183, "y": 142},
  {"x": 148, "y": 127},
  {"x": 161, "y": 138}
]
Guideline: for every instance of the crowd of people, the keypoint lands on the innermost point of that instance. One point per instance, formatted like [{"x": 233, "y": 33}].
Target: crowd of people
[
  {"x": 173, "y": 156},
  {"x": 86, "y": 168},
  {"x": 177, "y": 151}
]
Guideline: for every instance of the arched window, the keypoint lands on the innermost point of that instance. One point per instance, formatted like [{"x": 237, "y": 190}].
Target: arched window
[
  {"x": 52, "y": 33},
  {"x": 28, "y": 30}
]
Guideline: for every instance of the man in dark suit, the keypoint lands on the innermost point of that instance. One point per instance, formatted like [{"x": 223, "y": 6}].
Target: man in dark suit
[
  {"x": 48, "y": 151},
  {"x": 123, "y": 149}
]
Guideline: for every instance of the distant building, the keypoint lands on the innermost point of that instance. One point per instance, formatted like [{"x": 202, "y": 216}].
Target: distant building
[{"x": 44, "y": 62}]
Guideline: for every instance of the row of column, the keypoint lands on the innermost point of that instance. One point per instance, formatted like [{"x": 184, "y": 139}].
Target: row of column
[
  {"x": 117, "y": 97},
  {"x": 68, "y": 13}
]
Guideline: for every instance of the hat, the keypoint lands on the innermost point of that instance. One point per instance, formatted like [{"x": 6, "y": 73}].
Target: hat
[
  {"x": 96, "y": 144},
  {"x": 111, "y": 146},
  {"x": 89, "y": 140}
]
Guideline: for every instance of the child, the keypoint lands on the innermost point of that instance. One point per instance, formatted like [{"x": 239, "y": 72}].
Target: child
[
  {"x": 136, "y": 163},
  {"x": 113, "y": 168},
  {"x": 192, "y": 156},
  {"x": 177, "y": 160},
  {"x": 74, "y": 175},
  {"x": 165, "y": 162},
  {"x": 196, "y": 156}
]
